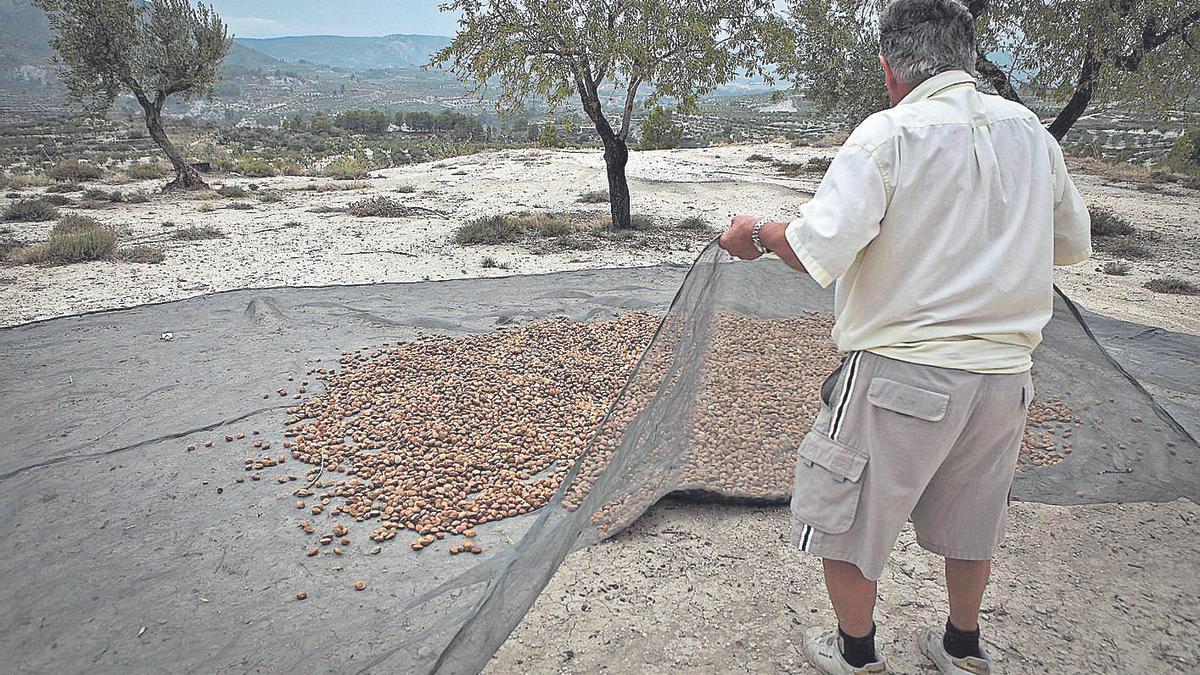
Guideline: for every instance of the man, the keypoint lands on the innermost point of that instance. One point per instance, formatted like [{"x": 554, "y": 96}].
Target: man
[{"x": 941, "y": 220}]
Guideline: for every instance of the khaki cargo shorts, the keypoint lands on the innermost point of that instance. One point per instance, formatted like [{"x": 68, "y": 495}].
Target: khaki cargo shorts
[{"x": 896, "y": 441}]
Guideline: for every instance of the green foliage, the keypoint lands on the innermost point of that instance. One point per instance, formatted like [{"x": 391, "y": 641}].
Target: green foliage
[
  {"x": 146, "y": 170},
  {"x": 489, "y": 230},
  {"x": 512, "y": 229},
  {"x": 1172, "y": 286},
  {"x": 30, "y": 211},
  {"x": 195, "y": 233},
  {"x": 364, "y": 121},
  {"x": 347, "y": 168},
  {"x": 74, "y": 171},
  {"x": 1146, "y": 53},
  {"x": 548, "y": 137},
  {"x": 1185, "y": 154},
  {"x": 321, "y": 123},
  {"x": 153, "y": 49},
  {"x": 156, "y": 47},
  {"x": 254, "y": 167},
  {"x": 73, "y": 239},
  {"x": 658, "y": 132}
]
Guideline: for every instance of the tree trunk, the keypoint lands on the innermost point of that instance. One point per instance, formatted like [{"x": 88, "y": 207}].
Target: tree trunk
[
  {"x": 186, "y": 176},
  {"x": 1073, "y": 110},
  {"x": 616, "y": 155}
]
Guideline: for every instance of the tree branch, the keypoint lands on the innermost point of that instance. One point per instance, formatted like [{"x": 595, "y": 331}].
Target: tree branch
[
  {"x": 627, "y": 113},
  {"x": 996, "y": 76}
]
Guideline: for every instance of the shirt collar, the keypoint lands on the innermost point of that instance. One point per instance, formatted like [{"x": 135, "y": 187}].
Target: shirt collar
[{"x": 937, "y": 83}]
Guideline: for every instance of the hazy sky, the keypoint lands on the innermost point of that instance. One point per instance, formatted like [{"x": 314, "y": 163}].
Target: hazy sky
[{"x": 270, "y": 18}]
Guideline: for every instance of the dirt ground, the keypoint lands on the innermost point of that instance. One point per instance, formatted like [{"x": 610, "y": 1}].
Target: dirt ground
[
  {"x": 692, "y": 587},
  {"x": 287, "y": 243},
  {"x": 717, "y": 589}
]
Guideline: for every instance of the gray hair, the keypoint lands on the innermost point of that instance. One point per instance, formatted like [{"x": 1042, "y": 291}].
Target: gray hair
[{"x": 921, "y": 38}]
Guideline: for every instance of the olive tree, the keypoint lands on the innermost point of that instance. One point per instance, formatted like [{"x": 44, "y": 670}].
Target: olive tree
[
  {"x": 1073, "y": 54},
  {"x": 606, "y": 52},
  {"x": 153, "y": 49}
]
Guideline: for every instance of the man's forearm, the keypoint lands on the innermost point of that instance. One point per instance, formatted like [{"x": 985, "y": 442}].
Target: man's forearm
[{"x": 773, "y": 236}]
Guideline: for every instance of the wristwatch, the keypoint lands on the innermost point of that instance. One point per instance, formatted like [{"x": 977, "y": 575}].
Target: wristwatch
[{"x": 756, "y": 237}]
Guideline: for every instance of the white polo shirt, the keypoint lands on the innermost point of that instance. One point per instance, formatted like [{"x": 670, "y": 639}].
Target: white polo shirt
[{"x": 941, "y": 220}]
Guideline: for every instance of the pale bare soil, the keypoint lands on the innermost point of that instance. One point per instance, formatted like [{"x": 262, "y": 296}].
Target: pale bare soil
[
  {"x": 717, "y": 589},
  {"x": 702, "y": 588}
]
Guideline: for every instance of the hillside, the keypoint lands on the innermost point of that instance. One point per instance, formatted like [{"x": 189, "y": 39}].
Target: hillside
[{"x": 388, "y": 51}]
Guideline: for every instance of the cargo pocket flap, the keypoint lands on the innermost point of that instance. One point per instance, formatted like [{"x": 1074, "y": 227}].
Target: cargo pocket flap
[
  {"x": 907, "y": 399},
  {"x": 841, "y": 461}
]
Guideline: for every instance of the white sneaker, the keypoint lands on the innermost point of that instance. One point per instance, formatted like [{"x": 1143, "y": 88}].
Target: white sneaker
[
  {"x": 823, "y": 649},
  {"x": 930, "y": 643}
]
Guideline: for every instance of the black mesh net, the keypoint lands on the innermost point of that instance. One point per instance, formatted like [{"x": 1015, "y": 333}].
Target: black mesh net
[
  {"x": 456, "y": 442},
  {"x": 716, "y": 408}
]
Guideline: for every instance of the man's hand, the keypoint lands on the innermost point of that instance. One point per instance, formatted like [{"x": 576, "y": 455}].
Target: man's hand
[{"x": 737, "y": 242}]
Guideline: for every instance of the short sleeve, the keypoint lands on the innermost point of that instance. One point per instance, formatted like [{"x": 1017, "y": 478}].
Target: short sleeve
[
  {"x": 1072, "y": 222},
  {"x": 843, "y": 217}
]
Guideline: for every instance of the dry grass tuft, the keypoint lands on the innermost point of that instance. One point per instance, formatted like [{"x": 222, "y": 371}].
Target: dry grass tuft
[{"x": 1172, "y": 286}]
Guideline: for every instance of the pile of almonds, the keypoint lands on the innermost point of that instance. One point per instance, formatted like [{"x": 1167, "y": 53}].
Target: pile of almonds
[{"x": 441, "y": 434}]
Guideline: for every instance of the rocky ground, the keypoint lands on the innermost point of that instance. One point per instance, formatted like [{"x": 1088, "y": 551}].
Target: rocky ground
[{"x": 301, "y": 241}]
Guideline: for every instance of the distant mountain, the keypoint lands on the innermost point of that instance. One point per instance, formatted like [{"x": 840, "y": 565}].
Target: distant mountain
[
  {"x": 388, "y": 51},
  {"x": 241, "y": 55},
  {"x": 24, "y": 36}
]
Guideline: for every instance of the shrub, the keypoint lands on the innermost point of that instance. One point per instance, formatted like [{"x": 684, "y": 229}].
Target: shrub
[
  {"x": 95, "y": 194},
  {"x": 818, "y": 164},
  {"x": 140, "y": 254},
  {"x": 57, "y": 200},
  {"x": 383, "y": 207},
  {"x": 138, "y": 197},
  {"x": 594, "y": 197},
  {"x": 232, "y": 191},
  {"x": 694, "y": 223},
  {"x": 1118, "y": 268},
  {"x": 347, "y": 168},
  {"x": 73, "y": 239},
  {"x": 64, "y": 187},
  {"x": 194, "y": 233},
  {"x": 71, "y": 223},
  {"x": 490, "y": 230},
  {"x": 255, "y": 167},
  {"x": 30, "y": 211},
  {"x": 405, "y": 189},
  {"x": 1105, "y": 223},
  {"x": 74, "y": 171},
  {"x": 1172, "y": 286},
  {"x": 1124, "y": 247},
  {"x": 1185, "y": 154},
  {"x": 116, "y": 196},
  {"x": 269, "y": 197},
  {"x": 759, "y": 157},
  {"x": 240, "y": 206},
  {"x": 146, "y": 170},
  {"x": 206, "y": 207},
  {"x": 639, "y": 221},
  {"x": 490, "y": 263}
]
